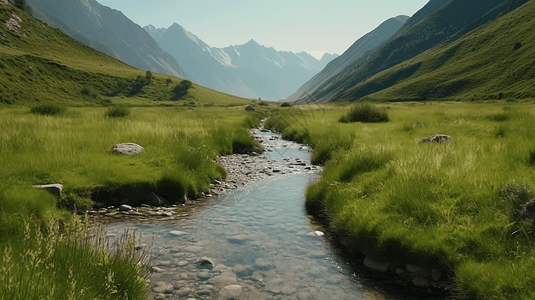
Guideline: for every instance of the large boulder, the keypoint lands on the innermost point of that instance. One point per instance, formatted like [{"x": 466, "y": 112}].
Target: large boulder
[
  {"x": 128, "y": 149},
  {"x": 250, "y": 108},
  {"x": 439, "y": 138}
]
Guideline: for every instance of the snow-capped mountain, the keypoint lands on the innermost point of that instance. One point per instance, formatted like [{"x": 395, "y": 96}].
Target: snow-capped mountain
[{"x": 249, "y": 70}]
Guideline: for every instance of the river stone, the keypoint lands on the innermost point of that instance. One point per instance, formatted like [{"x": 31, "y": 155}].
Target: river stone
[
  {"x": 206, "y": 262},
  {"x": 128, "y": 149},
  {"x": 413, "y": 268},
  {"x": 163, "y": 287},
  {"x": 375, "y": 265},
  {"x": 226, "y": 278},
  {"x": 238, "y": 239},
  {"x": 125, "y": 207},
  {"x": 439, "y": 138},
  {"x": 288, "y": 290},
  {"x": 177, "y": 233},
  {"x": 193, "y": 249},
  {"x": 262, "y": 263},
  {"x": 183, "y": 292},
  {"x": 54, "y": 189},
  {"x": 229, "y": 292},
  {"x": 420, "y": 282},
  {"x": 182, "y": 263},
  {"x": 157, "y": 270},
  {"x": 203, "y": 275}
]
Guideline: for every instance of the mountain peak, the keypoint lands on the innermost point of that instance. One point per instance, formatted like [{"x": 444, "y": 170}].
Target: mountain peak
[{"x": 252, "y": 42}]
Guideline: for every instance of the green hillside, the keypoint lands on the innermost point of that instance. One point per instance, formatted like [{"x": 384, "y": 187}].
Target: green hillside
[
  {"x": 41, "y": 64},
  {"x": 492, "y": 62}
]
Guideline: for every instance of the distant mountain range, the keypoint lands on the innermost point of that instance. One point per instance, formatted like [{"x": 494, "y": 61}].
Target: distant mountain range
[
  {"x": 382, "y": 72},
  {"x": 248, "y": 70},
  {"x": 109, "y": 31}
]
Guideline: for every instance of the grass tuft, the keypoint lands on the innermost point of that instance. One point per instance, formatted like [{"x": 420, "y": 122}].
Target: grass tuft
[
  {"x": 48, "y": 110},
  {"x": 118, "y": 112},
  {"x": 365, "y": 113}
]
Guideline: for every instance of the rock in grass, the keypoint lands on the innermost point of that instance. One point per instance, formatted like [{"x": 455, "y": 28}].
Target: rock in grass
[
  {"x": 128, "y": 149},
  {"x": 250, "y": 108},
  {"x": 54, "y": 189},
  {"x": 375, "y": 265},
  {"x": 439, "y": 138}
]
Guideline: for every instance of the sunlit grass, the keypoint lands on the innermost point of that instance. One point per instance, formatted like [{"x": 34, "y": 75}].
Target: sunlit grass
[{"x": 437, "y": 204}]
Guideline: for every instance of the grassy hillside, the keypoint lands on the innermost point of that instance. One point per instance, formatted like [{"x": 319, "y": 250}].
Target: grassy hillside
[
  {"x": 492, "y": 62},
  {"x": 437, "y": 25},
  {"x": 453, "y": 208},
  {"x": 40, "y": 64}
]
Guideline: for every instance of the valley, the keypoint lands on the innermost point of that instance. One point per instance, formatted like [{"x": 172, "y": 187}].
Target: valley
[{"x": 402, "y": 169}]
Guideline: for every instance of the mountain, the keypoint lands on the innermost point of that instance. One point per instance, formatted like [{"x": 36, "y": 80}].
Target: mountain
[
  {"x": 249, "y": 70},
  {"x": 437, "y": 21},
  {"x": 494, "y": 61},
  {"x": 363, "y": 45},
  {"x": 109, "y": 30},
  {"x": 40, "y": 65}
]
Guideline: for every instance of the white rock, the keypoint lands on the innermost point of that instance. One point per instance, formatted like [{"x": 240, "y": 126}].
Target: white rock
[
  {"x": 319, "y": 233},
  {"x": 128, "y": 149},
  {"x": 206, "y": 262}
]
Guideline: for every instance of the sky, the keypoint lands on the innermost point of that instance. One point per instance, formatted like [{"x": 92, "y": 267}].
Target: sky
[{"x": 313, "y": 26}]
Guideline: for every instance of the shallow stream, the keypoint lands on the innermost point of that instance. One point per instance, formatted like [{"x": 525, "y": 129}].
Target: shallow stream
[{"x": 260, "y": 240}]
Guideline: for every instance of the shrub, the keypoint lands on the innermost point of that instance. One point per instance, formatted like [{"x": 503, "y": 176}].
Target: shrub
[
  {"x": 89, "y": 91},
  {"x": 118, "y": 112},
  {"x": 531, "y": 158},
  {"x": 366, "y": 113},
  {"x": 286, "y": 104},
  {"x": 48, "y": 110},
  {"x": 181, "y": 89}
]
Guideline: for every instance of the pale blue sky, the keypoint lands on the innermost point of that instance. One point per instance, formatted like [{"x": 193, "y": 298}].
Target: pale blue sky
[{"x": 314, "y": 26}]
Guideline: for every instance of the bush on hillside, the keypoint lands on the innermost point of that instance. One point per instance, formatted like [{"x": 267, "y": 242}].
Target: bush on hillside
[
  {"x": 118, "y": 112},
  {"x": 286, "y": 104},
  {"x": 181, "y": 89},
  {"x": 365, "y": 113},
  {"x": 531, "y": 158},
  {"x": 90, "y": 91},
  {"x": 48, "y": 110}
]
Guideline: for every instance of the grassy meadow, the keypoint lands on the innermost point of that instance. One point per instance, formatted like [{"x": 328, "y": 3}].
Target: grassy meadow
[
  {"x": 452, "y": 207},
  {"x": 73, "y": 148}
]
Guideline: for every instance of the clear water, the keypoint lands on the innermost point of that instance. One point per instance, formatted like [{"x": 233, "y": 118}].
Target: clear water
[{"x": 261, "y": 234}]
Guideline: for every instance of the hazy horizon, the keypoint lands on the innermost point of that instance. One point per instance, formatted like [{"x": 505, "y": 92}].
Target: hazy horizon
[{"x": 297, "y": 26}]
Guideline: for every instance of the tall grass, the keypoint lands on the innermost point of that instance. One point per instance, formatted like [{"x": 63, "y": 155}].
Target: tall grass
[
  {"x": 451, "y": 206},
  {"x": 66, "y": 261},
  {"x": 43, "y": 259},
  {"x": 365, "y": 112}
]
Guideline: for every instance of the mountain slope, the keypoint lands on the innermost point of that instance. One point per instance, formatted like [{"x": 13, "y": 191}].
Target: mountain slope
[
  {"x": 366, "y": 43},
  {"x": 110, "y": 27},
  {"x": 493, "y": 62},
  {"x": 40, "y": 64},
  {"x": 248, "y": 70},
  {"x": 437, "y": 23}
]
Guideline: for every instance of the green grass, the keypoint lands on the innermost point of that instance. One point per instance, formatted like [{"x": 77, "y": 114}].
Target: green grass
[
  {"x": 365, "y": 112},
  {"x": 452, "y": 206},
  {"x": 48, "y": 110},
  {"x": 69, "y": 262},
  {"x": 484, "y": 64},
  {"x": 118, "y": 112}
]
